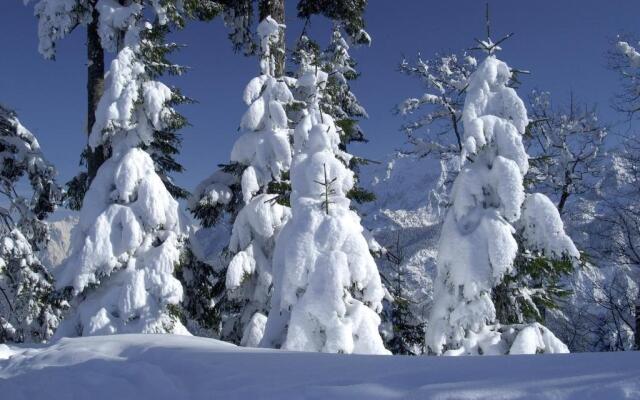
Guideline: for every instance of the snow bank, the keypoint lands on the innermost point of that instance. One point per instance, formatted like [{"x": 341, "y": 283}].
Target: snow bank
[{"x": 171, "y": 367}]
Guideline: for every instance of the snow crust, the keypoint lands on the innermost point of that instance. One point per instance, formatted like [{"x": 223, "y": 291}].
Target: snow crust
[{"x": 173, "y": 367}]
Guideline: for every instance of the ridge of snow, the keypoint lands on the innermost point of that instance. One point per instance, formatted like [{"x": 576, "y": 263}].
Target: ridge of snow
[{"x": 174, "y": 367}]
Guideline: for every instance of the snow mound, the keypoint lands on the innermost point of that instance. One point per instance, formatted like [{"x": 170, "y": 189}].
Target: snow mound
[{"x": 176, "y": 367}]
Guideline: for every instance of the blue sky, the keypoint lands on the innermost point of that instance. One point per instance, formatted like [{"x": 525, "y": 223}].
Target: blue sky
[{"x": 563, "y": 43}]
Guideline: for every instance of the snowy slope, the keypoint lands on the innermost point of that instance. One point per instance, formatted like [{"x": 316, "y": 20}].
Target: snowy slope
[{"x": 177, "y": 367}]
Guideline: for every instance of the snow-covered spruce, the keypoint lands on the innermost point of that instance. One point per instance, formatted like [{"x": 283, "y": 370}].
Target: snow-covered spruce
[
  {"x": 327, "y": 290},
  {"x": 251, "y": 189},
  {"x": 477, "y": 244},
  {"x": 58, "y": 18},
  {"x": 130, "y": 231},
  {"x": 29, "y": 309}
]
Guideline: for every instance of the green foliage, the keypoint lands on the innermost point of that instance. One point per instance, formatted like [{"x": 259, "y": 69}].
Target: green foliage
[
  {"x": 403, "y": 334},
  {"x": 350, "y": 131},
  {"x": 350, "y": 13},
  {"x": 75, "y": 190},
  {"x": 202, "y": 287},
  {"x": 407, "y": 336},
  {"x": 533, "y": 287},
  {"x": 209, "y": 212},
  {"x": 282, "y": 189}
]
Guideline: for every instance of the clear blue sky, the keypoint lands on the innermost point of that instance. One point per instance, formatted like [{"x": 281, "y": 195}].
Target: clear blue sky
[{"x": 562, "y": 42}]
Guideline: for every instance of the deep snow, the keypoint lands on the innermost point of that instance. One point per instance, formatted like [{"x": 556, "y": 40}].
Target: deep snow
[{"x": 180, "y": 367}]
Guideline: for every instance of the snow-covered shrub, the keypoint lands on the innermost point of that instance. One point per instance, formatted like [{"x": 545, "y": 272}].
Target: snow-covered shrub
[
  {"x": 477, "y": 244},
  {"x": 327, "y": 290},
  {"x": 131, "y": 230},
  {"x": 29, "y": 309}
]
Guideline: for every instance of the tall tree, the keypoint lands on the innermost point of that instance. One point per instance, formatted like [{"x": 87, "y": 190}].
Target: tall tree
[
  {"x": 327, "y": 289},
  {"x": 57, "y": 19},
  {"x": 30, "y": 311},
  {"x": 131, "y": 231},
  {"x": 230, "y": 284},
  {"x": 477, "y": 244},
  {"x": 250, "y": 191}
]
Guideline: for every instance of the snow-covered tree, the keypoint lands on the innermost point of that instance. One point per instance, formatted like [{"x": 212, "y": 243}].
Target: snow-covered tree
[
  {"x": 252, "y": 190},
  {"x": 341, "y": 103},
  {"x": 29, "y": 309},
  {"x": 105, "y": 22},
  {"x": 327, "y": 290},
  {"x": 477, "y": 244},
  {"x": 130, "y": 234},
  {"x": 348, "y": 13},
  {"x": 231, "y": 201}
]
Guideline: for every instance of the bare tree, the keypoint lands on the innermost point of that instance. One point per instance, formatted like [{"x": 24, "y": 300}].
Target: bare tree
[{"x": 566, "y": 145}]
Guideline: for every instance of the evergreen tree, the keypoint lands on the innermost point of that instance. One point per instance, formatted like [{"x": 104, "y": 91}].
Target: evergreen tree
[
  {"x": 105, "y": 22},
  {"x": 227, "y": 204},
  {"x": 130, "y": 234},
  {"x": 29, "y": 309},
  {"x": 342, "y": 105},
  {"x": 477, "y": 244},
  {"x": 251, "y": 192},
  {"x": 327, "y": 290},
  {"x": 402, "y": 331}
]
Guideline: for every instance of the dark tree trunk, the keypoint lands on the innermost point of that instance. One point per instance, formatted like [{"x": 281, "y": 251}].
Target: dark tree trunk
[
  {"x": 637, "y": 327},
  {"x": 275, "y": 8},
  {"x": 95, "y": 88},
  {"x": 563, "y": 201}
]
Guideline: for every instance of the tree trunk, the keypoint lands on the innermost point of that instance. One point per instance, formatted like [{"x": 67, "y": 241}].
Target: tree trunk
[
  {"x": 637, "y": 330},
  {"x": 275, "y": 8},
  {"x": 95, "y": 88}
]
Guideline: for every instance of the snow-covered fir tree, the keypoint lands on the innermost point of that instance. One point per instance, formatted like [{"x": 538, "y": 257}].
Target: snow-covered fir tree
[
  {"x": 105, "y": 22},
  {"x": 130, "y": 234},
  {"x": 251, "y": 191},
  {"x": 407, "y": 222},
  {"x": 477, "y": 244},
  {"x": 327, "y": 290},
  {"x": 30, "y": 311}
]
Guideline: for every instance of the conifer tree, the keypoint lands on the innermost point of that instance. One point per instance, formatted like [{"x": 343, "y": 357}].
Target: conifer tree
[
  {"x": 341, "y": 103},
  {"x": 327, "y": 290},
  {"x": 250, "y": 192},
  {"x": 131, "y": 231},
  {"x": 30, "y": 311},
  {"x": 104, "y": 21},
  {"x": 477, "y": 244},
  {"x": 236, "y": 278}
]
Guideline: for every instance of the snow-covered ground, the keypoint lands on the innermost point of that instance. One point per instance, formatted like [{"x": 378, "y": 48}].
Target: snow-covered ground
[{"x": 179, "y": 367}]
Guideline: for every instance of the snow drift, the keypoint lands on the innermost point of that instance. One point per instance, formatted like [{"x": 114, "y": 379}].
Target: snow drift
[{"x": 177, "y": 367}]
